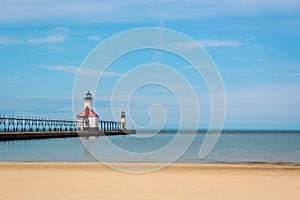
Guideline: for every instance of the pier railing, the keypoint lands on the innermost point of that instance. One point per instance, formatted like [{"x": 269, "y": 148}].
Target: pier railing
[
  {"x": 40, "y": 124},
  {"x": 35, "y": 124},
  {"x": 110, "y": 125}
]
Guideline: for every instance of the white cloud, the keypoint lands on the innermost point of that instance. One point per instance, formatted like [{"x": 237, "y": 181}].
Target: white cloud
[
  {"x": 63, "y": 68},
  {"x": 48, "y": 39},
  {"x": 135, "y": 10},
  {"x": 8, "y": 40},
  {"x": 75, "y": 69},
  {"x": 221, "y": 43},
  {"x": 206, "y": 43},
  {"x": 198, "y": 67},
  {"x": 55, "y": 35},
  {"x": 94, "y": 38},
  {"x": 9, "y": 79},
  {"x": 184, "y": 45},
  {"x": 251, "y": 69},
  {"x": 264, "y": 62},
  {"x": 90, "y": 72}
]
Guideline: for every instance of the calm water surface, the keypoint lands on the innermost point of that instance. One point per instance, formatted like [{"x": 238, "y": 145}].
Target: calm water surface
[{"x": 231, "y": 147}]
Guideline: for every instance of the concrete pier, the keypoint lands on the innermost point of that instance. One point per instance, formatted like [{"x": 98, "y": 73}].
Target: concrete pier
[{"x": 7, "y": 136}]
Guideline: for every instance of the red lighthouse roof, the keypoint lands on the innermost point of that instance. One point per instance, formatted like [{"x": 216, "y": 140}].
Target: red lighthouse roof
[{"x": 87, "y": 113}]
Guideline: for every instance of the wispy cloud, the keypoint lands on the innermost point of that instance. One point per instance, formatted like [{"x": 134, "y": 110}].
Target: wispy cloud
[
  {"x": 135, "y": 10},
  {"x": 63, "y": 68},
  {"x": 47, "y": 39},
  {"x": 75, "y": 69},
  {"x": 197, "y": 67},
  {"x": 94, "y": 38},
  {"x": 252, "y": 69},
  {"x": 206, "y": 43},
  {"x": 8, "y": 40},
  {"x": 263, "y": 61},
  {"x": 55, "y": 35},
  {"x": 221, "y": 43},
  {"x": 8, "y": 79},
  {"x": 184, "y": 45}
]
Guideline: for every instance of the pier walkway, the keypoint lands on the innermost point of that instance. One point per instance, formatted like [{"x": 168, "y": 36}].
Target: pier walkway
[{"x": 19, "y": 128}]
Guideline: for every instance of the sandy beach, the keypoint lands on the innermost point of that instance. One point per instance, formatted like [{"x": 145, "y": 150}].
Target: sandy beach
[{"x": 178, "y": 181}]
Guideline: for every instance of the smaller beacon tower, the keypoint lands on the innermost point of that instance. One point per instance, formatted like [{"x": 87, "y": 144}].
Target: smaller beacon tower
[
  {"x": 123, "y": 121},
  {"x": 88, "y": 119}
]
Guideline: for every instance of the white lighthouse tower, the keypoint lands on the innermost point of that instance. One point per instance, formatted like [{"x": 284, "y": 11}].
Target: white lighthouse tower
[
  {"x": 88, "y": 100},
  {"x": 88, "y": 119},
  {"x": 123, "y": 121}
]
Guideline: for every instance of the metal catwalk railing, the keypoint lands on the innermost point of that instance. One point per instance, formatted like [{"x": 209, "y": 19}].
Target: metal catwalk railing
[
  {"x": 35, "y": 124},
  {"x": 110, "y": 126}
]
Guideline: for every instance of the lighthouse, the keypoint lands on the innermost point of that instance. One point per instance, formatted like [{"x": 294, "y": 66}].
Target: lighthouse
[
  {"x": 88, "y": 100},
  {"x": 123, "y": 121},
  {"x": 88, "y": 118}
]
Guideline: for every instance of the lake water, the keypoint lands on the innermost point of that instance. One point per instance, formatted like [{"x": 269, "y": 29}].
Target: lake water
[{"x": 231, "y": 147}]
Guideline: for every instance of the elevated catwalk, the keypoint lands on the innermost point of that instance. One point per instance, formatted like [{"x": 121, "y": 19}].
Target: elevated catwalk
[
  {"x": 7, "y": 136},
  {"x": 87, "y": 124}
]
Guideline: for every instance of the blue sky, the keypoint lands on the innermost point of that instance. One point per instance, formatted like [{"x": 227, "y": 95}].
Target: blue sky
[{"x": 254, "y": 44}]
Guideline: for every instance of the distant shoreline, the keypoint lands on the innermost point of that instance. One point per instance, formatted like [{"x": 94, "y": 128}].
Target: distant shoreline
[
  {"x": 223, "y": 131},
  {"x": 256, "y": 164},
  {"x": 221, "y": 165}
]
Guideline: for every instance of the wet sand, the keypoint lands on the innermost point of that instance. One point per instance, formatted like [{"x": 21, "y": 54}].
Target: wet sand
[{"x": 178, "y": 181}]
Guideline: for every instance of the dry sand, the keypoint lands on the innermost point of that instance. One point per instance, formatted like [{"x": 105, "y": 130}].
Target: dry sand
[{"x": 179, "y": 181}]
